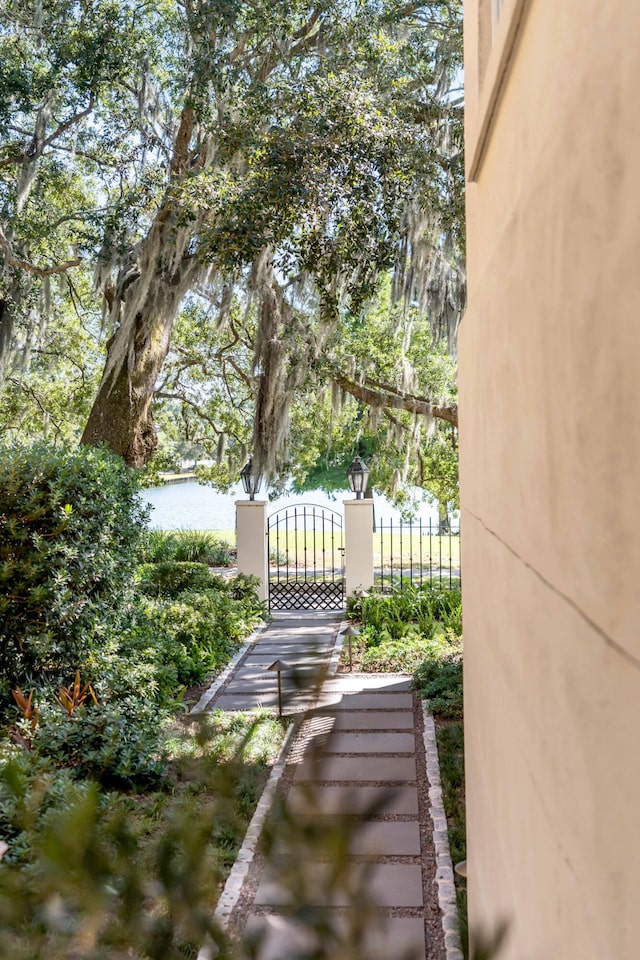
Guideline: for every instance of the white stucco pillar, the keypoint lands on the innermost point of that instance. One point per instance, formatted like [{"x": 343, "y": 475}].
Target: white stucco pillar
[
  {"x": 251, "y": 531},
  {"x": 358, "y": 543}
]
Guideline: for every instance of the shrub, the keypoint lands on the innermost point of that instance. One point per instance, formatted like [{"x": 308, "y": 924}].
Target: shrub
[
  {"x": 439, "y": 680},
  {"x": 70, "y": 524},
  {"x": 202, "y": 546},
  {"x": 31, "y": 788},
  {"x": 157, "y": 546},
  {"x": 396, "y": 656},
  {"x": 244, "y": 587},
  {"x": 170, "y": 578},
  {"x": 202, "y": 629},
  {"x": 174, "y": 641},
  {"x": 117, "y": 744}
]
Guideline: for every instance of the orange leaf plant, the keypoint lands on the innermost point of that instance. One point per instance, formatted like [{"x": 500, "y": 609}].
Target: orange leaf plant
[{"x": 70, "y": 698}]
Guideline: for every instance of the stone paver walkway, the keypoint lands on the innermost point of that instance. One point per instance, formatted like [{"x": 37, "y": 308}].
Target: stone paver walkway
[{"x": 352, "y": 845}]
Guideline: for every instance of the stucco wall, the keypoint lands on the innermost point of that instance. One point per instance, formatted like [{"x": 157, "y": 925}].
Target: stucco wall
[{"x": 550, "y": 485}]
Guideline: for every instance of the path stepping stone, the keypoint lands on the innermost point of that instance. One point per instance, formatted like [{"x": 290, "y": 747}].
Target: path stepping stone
[
  {"x": 387, "y": 884},
  {"x": 373, "y": 720},
  {"x": 390, "y": 937},
  {"x": 357, "y": 801},
  {"x": 351, "y": 767}
]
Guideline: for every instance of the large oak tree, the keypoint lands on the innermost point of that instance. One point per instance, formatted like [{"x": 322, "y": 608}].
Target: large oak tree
[{"x": 290, "y": 152}]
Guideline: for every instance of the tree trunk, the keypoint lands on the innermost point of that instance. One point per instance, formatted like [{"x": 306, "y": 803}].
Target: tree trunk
[
  {"x": 143, "y": 308},
  {"x": 121, "y": 415},
  {"x": 444, "y": 523},
  {"x": 7, "y": 321}
]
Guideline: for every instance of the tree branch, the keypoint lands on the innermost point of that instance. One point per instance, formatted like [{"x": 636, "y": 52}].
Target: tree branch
[
  {"x": 385, "y": 396},
  {"x": 160, "y": 395},
  {"x": 19, "y": 264},
  {"x": 71, "y": 122}
]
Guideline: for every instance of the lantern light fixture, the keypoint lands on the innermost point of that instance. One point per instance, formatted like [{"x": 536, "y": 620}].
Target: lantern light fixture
[
  {"x": 250, "y": 481},
  {"x": 358, "y": 476}
]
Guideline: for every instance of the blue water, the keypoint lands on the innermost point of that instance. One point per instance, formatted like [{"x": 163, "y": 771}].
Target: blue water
[{"x": 192, "y": 506}]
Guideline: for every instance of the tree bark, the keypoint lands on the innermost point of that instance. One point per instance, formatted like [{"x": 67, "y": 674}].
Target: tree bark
[
  {"x": 121, "y": 415},
  {"x": 7, "y": 322},
  {"x": 142, "y": 309}
]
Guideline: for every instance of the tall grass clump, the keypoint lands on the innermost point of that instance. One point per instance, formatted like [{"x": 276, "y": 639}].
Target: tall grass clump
[{"x": 186, "y": 546}]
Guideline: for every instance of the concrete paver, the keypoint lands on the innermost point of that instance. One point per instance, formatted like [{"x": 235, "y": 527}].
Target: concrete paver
[
  {"x": 373, "y": 720},
  {"x": 353, "y": 766},
  {"x": 382, "y": 838},
  {"x": 367, "y": 769},
  {"x": 387, "y": 884},
  {"x": 391, "y": 937},
  {"x": 359, "y": 683},
  {"x": 338, "y": 742},
  {"x": 360, "y": 800},
  {"x": 365, "y": 701},
  {"x": 250, "y": 700}
]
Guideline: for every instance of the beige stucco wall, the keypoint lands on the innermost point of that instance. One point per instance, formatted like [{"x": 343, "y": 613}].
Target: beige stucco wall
[
  {"x": 358, "y": 542},
  {"x": 253, "y": 545},
  {"x": 550, "y": 484}
]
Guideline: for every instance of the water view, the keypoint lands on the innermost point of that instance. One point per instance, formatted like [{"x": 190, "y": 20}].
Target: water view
[{"x": 193, "y": 506}]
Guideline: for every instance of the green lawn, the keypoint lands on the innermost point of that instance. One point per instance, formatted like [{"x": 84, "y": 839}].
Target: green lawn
[{"x": 426, "y": 552}]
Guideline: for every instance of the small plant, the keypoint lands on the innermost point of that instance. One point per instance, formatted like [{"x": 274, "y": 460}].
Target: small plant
[
  {"x": 202, "y": 546},
  {"x": 26, "y": 707},
  {"x": 439, "y": 681},
  {"x": 158, "y": 546},
  {"x": 23, "y": 735},
  {"x": 70, "y": 698},
  {"x": 279, "y": 558}
]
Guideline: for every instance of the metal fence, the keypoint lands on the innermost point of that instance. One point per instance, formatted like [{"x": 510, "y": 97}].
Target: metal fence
[
  {"x": 415, "y": 554},
  {"x": 306, "y": 558}
]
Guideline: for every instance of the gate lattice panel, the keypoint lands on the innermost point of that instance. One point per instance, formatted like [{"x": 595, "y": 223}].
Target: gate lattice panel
[{"x": 306, "y": 559}]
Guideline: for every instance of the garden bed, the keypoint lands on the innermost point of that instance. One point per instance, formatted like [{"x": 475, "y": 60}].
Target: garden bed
[{"x": 121, "y": 815}]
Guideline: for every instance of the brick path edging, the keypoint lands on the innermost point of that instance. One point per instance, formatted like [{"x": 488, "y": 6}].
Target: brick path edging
[
  {"x": 334, "y": 659},
  {"x": 222, "y": 678},
  {"x": 239, "y": 871},
  {"x": 444, "y": 866}
]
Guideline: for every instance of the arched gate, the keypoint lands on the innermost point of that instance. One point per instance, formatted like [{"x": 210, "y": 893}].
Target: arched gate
[{"x": 306, "y": 559}]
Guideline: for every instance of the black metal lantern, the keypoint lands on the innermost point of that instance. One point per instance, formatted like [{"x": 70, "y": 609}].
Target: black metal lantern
[
  {"x": 250, "y": 481},
  {"x": 358, "y": 474}
]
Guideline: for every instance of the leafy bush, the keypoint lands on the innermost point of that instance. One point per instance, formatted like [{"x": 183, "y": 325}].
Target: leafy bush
[
  {"x": 31, "y": 788},
  {"x": 394, "y": 611},
  {"x": 170, "y": 578},
  {"x": 117, "y": 744},
  {"x": 198, "y": 632},
  {"x": 439, "y": 680},
  {"x": 396, "y": 656},
  {"x": 244, "y": 587},
  {"x": 70, "y": 525},
  {"x": 174, "y": 641}
]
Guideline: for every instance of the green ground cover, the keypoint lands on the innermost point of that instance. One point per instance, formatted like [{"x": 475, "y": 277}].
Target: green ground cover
[
  {"x": 420, "y": 631},
  {"x": 120, "y": 814}
]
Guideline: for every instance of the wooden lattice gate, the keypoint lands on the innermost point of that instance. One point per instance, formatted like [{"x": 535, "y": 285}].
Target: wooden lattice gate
[{"x": 306, "y": 559}]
